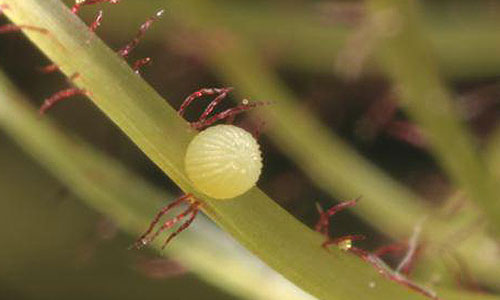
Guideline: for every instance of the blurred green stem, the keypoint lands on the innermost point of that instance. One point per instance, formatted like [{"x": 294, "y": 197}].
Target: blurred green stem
[{"x": 408, "y": 59}]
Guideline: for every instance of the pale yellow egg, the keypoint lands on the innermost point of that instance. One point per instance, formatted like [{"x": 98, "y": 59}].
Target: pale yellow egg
[{"x": 223, "y": 161}]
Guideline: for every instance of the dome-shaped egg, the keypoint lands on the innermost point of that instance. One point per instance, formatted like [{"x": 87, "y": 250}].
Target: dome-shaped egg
[{"x": 223, "y": 161}]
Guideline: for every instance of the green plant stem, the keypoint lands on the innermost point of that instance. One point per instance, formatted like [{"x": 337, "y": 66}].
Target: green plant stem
[
  {"x": 99, "y": 182},
  {"x": 253, "y": 219},
  {"x": 407, "y": 57},
  {"x": 329, "y": 162}
]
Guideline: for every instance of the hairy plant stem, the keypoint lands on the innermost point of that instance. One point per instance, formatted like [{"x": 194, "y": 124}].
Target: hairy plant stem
[{"x": 253, "y": 219}]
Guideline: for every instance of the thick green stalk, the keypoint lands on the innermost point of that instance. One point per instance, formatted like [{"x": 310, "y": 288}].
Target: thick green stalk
[
  {"x": 99, "y": 182},
  {"x": 253, "y": 219}
]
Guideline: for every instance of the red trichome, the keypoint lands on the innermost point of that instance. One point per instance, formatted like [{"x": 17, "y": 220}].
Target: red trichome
[
  {"x": 220, "y": 94},
  {"x": 80, "y": 3},
  {"x": 345, "y": 244},
  {"x": 191, "y": 211}
]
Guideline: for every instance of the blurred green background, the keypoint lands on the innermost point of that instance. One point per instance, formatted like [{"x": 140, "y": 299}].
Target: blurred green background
[{"x": 53, "y": 246}]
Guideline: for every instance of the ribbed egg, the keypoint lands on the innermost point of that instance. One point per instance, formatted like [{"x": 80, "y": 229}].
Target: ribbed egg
[{"x": 223, "y": 161}]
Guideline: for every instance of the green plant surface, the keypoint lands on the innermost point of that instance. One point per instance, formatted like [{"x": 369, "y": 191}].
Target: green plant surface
[
  {"x": 329, "y": 162},
  {"x": 253, "y": 219},
  {"x": 132, "y": 105},
  {"x": 408, "y": 59},
  {"x": 99, "y": 182}
]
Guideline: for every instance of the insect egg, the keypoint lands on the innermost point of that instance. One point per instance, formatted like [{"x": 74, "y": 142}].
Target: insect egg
[{"x": 223, "y": 161}]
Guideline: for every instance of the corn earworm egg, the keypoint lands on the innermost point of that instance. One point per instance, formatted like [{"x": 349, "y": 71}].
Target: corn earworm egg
[{"x": 223, "y": 161}]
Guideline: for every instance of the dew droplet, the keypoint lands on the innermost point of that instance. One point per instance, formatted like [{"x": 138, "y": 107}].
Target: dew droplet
[{"x": 160, "y": 13}]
